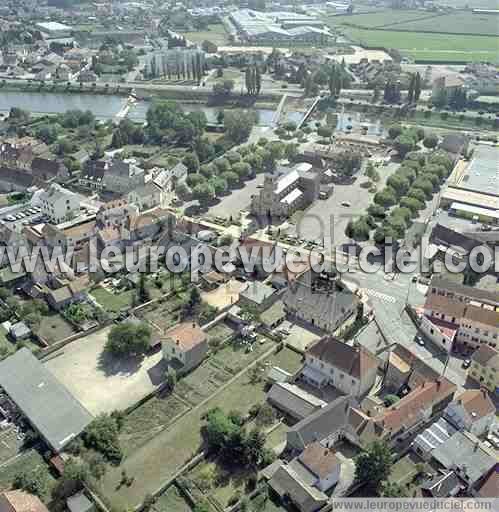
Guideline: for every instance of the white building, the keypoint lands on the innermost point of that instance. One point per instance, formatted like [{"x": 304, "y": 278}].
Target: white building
[
  {"x": 59, "y": 204},
  {"x": 351, "y": 369}
]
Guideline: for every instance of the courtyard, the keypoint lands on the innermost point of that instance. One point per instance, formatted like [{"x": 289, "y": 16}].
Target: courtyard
[{"x": 102, "y": 383}]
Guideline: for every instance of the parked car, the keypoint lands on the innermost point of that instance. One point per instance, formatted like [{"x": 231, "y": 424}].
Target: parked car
[
  {"x": 420, "y": 341},
  {"x": 346, "y": 204},
  {"x": 466, "y": 363}
]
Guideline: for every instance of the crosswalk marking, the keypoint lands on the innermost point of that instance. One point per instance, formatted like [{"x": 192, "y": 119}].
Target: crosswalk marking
[{"x": 382, "y": 296}]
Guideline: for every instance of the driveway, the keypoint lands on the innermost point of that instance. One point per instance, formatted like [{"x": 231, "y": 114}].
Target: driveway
[{"x": 100, "y": 383}]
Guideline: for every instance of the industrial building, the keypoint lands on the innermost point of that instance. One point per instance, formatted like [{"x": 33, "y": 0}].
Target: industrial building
[
  {"x": 53, "y": 412},
  {"x": 260, "y": 27}
]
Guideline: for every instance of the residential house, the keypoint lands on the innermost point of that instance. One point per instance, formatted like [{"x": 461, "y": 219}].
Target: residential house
[
  {"x": 470, "y": 459},
  {"x": 455, "y": 321},
  {"x": 63, "y": 72},
  {"x": 468, "y": 294},
  {"x": 59, "y": 204},
  {"x": 472, "y": 410},
  {"x": 292, "y": 482},
  {"x": 293, "y": 401},
  {"x": 20, "y": 501},
  {"x": 66, "y": 292},
  {"x": 305, "y": 480},
  {"x": 258, "y": 295},
  {"x": 444, "y": 484},
  {"x": 185, "y": 346},
  {"x": 321, "y": 300},
  {"x": 485, "y": 368},
  {"x": 92, "y": 175},
  {"x": 339, "y": 419},
  {"x": 123, "y": 176},
  {"x": 351, "y": 369}
]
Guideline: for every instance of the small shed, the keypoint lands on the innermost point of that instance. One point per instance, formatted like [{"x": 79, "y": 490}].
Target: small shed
[
  {"x": 80, "y": 503},
  {"x": 20, "y": 331}
]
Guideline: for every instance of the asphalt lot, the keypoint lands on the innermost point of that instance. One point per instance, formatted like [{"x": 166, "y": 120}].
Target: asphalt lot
[
  {"x": 328, "y": 219},
  {"x": 239, "y": 199},
  {"x": 100, "y": 384}
]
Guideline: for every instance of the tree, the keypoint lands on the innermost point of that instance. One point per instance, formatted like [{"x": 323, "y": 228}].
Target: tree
[
  {"x": 203, "y": 192},
  {"x": 325, "y": 132},
  {"x": 265, "y": 415},
  {"x": 219, "y": 184},
  {"x": 143, "y": 294},
  {"x": 193, "y": 304},
  {"x": 242, "y": 169},
  {"x": 231, "y": 178},
  {"x": 34, "y": 482},
  {"x": 170, "y": 379},
  {"x": 417, "y": 87},
  {"x": 191, "y": 161},
  {"x": 373, "y": 465},
  {"x": 128, "y": 339},
  {"x": 97, "y": 465},
  {"x": 410, "y": 92},
  {"x": 238, "y": 124},
  {"x": 403, "y": 144},
  {"x": 102, "y": 435},
  {"x": 386, "y": 197},
  {"x": 430, "y": 141},
  {"x": 394, "y": 131},
  {"x": 291, "y": 151}
]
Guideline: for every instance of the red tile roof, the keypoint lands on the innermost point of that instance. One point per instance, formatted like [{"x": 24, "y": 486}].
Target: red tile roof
[
  {"x": 187, "y": 335},
  {"x": 20, "y": 501}
]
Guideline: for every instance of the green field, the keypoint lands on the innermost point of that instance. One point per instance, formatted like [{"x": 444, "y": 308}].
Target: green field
[
  {"x": 437, "y": 47},
  {"x": 215, "y": 33},
  {"x": 113, "y": 302},
  {"x": 459, "y": 22},
  {"x": 402, "y": 30}
]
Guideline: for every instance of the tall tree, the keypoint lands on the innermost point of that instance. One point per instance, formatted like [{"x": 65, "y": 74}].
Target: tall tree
[
  {"x": 417, "y": 87},
  {"x": 410, "y": 92},
  {"x": 373, "y": 466},
  {"x": 258, "y": 80}
]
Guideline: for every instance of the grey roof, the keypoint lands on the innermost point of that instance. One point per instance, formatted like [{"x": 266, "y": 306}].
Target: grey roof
[
  {"x": 442, "y": 485},
  {"x": 294, "y": 401},
  {"x": 324, "y": 422},
  {"x": 273, "y": 314},
  {"x": 322, "y": 306},
  {"x": 79, "y": 503},
  {"x": 464, "y": 451},
  {"x": 466, "y": 291},
  {"x": 47, "y": 404},
  {"x": 257, "y": 292},
  {"x": 435, "y": 435},
  {"x": 286, "y": 482},
  {"x": 20, "y": 329}
]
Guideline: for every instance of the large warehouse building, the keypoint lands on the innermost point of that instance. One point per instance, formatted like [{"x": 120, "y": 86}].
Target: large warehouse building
[
  {"x": 49, "y": 407},
  {"x": 261, "y": 27}
]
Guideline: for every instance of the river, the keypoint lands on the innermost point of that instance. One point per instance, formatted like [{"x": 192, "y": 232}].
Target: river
[
  {"x": 102, "y": 105},
  {"x": 106, "y": 106}
]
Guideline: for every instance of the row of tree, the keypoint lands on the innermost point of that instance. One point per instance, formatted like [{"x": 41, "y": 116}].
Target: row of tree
[{"x": 253, "y": 80}]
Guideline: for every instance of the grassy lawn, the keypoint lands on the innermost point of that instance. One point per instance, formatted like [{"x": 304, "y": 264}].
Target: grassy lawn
[
  {"x": 163, "y": 314},
  {"x": 218, "y": 483},
  {"x": 27, "y": 462},
  {"x": 54, "y": 328},
  {"x": 171, "y": 500},
  {"x": 385, "y": 17},
  {"x": 403, "y": 471},
  {"x": 147, "y": 420},
  {"x": 159, "y": 459},
  {"x": 215, "y": 33},
  {"x": 220, "y": 330},
  {"x": 277, "y": 437},
  {"x": 113, "y": 302}
]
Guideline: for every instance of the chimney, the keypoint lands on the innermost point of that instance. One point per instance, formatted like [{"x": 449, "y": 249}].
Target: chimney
[
  {"x": 193, "y": 324},
  {"x": 178, "y": 342}
]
